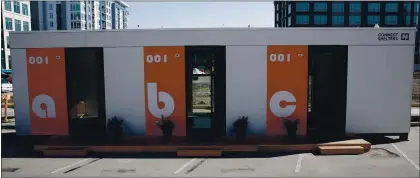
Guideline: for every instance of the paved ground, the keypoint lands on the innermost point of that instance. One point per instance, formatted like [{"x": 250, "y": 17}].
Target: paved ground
[{"x": 387, "y": 159}]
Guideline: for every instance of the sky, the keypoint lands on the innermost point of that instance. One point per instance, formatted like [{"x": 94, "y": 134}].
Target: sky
[{"x": 200, "y": 14}]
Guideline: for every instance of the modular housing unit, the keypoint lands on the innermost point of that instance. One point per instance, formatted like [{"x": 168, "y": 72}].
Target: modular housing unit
[{"x": 335, "y": 80}]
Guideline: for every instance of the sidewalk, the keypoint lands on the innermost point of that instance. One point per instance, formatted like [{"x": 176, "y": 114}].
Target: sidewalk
[{"x": 10, "y": 112}]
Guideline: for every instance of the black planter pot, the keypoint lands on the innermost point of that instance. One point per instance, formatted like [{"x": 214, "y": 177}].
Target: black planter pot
[
  {"x": 291, "y": 132},
  {"x": 240, "y": 135},
  {"x": 167, "y": 135}
]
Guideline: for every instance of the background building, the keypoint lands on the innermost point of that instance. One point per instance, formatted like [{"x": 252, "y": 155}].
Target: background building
[
  {"x": 349, "y": 14},
  {"x": 73, "y": 15},
  {"x": 15, "y": 16},
  {"x": 119, "y": 15}
]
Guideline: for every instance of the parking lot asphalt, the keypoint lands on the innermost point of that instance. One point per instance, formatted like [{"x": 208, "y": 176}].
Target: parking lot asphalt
[{"x": 390, "y": 159}]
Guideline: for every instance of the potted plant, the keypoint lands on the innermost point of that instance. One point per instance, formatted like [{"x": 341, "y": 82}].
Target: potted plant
[
  {"x": 167, "y": 127},
  {"x": 241, "y": 127},
  {"x": 115, "y": 129},
  {"x": 291, "y": 126}
]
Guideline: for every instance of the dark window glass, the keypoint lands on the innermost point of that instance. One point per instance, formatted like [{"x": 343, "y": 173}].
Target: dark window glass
[
  {"x": 416, "y": 20},
  {"x": 25, "y": 26},
  {"x": 302, "y": 6},
  {"x": 354, "y": 20},
  {"x": 18, "y": 25},
  {"x": 355, "y": 7},
  {"x": 8, "y": 5},
  {"x": 338, "y": 7},
  {"x": 16, "y": 7},
  {"x": 289, "y": 9},
  {"x": 391, "y": 20},
  {"x": 10, "y": 62},
  {"x": 25, "y": 9},
  {"x": 416, "y": 6},
  {"x": 407, "y": 6},
  {"x": 374, "y": 7},
  {"x": 302, "y": 19},
  {"x": 407, "y": 20},
  {"x": 320, "y": 7},
  {"x": 373, "y": 19},
  {"x": 391, "y": 7},
  {"x": 338, "y": 20},
  {"x": 320, "y": 19}
]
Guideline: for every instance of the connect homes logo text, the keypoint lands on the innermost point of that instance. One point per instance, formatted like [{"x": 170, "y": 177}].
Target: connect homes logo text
[{"x": 393, "y": 36}]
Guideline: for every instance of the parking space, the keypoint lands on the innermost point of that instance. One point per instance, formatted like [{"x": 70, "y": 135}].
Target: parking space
[
  {"x": 32, "y": 167},
  {"x": 400, "y": 159}
]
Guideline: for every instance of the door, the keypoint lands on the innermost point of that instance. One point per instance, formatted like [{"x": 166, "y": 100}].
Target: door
[
  {"x": 205, "y": 85},
  {"x": 327, "y": 89},
  {"x": 85, "y": 92}
]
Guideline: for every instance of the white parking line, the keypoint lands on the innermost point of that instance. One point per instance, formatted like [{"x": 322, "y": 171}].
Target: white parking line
[
  {"x": 299, "y": 162},
  {"x": 68, "y": 166},
  {"x": 405, "y": 156},
  {"x": 184, "y": 166}
]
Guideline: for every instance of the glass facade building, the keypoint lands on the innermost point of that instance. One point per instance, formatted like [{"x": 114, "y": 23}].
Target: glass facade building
[
  {"x": 349, "y": 14},
  {"x": 346, "y": 13}
]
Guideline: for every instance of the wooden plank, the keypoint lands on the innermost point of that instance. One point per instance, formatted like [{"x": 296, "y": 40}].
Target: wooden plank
[
  {"x": 341, "y": 150},
  {"x": 72, "y": 153},
  {"x": 211, "y": 153},
  {"x": 354, "y": 142}
]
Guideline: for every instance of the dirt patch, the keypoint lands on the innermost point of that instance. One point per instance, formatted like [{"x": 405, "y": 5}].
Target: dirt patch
[
  {"x": 416, "y": 90},
  {"x": 382, "y": 153}
]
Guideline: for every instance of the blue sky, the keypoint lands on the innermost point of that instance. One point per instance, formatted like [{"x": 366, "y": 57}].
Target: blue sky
[{"x": 200, "y": 14}]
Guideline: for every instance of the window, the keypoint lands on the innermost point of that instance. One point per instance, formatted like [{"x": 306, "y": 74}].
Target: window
[
  {"x": 416, "y": 6},
  {"x": 320, "y": 7},
  {"x": 391, "y": 20},
  {"x": 391, "y": 7},
  {"x": 338, "y": 7},
  {"x": 8, "y": 5},
  {"x": 25, "y": 26},
  {"x": 25, "y": 10},
  {"x": 374, "y": 7},
  {"x": 16, "y": 7},
  {"x": 51, "y": 15},
  {"x": 9, "y": 23},
  {"x": 7, "y": 41},
  {"x": 355, "y": 7},
  {"x": 338, "y": 20},
  {"x": 18, "y": 25},
  {"x": 51, "y": 24},
  {"x": 354, "y": 20},
  {"x": 320, "y": 19},
  {"x": 10, "y": 62},
  {"x": 407, "y": 7},
  {"x": 289, "y": 8},
  {"x": 373, "y": 19},
  {"x": 407, "y": 20},
  {"x": 302, "y": 6},
  {"x": 50, "y": 6},
  {"x": 416, "y": 20}
]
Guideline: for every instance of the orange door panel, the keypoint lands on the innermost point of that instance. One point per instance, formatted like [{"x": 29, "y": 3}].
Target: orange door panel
[
  {"x": 287, "y": 85},
  {"x": 47, "y": 91},
  {"x": 164, "y": 77}
]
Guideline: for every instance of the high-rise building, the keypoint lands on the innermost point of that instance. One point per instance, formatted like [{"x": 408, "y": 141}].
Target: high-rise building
[
  {"x": 349, "y": 14},
  {"x": 15, "y": 16},
  {"x": 72, "y": 15},
  {"x": 346, "y": 13},
  {"x": 119, "y": 15}
]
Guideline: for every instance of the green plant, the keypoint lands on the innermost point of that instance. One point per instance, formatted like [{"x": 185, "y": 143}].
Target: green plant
[
  {"x": 167, "y": 127},
  {"x": 115, "y": 128},
  {"x": 291, "y": 126},
  {"x": 241, "y": 127}
]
